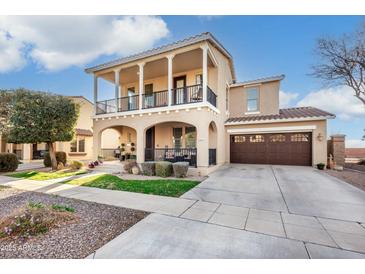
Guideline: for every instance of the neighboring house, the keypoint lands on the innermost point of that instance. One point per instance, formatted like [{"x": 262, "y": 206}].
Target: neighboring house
[
  {"x": 354, "y": 155},
  {"x": 181, "y": 102},
  {"x": 78, "y": 149}
]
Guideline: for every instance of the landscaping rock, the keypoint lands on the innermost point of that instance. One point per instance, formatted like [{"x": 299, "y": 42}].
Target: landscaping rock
[
  {"x": 128, "y": 165},
  {"x": 135, "y": 170},
  {"x": 180, "y": 169},
  {"x": 163, "y": 169},
  {"x": 148, "y": 168}
]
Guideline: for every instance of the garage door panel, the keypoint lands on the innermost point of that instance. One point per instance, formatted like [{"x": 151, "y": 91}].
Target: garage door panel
[{"x": 278, "y": 148}]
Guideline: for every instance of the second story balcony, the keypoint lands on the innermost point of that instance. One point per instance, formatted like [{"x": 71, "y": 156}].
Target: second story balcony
[
  {"x": 183, "y": 78},
  {"x": 180, "y": 96}
]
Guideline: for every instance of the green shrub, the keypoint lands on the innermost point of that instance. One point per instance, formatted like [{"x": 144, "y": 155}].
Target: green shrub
[
  {"x": 61, "y": 157},
  {"x": 148, "y": 168},
  {"x": 129, "y": 164},
  {"x": 62, "y": 208},
  {"x": 8, "y": 162},
  {"x": 76, "y": 165},
  {"x": 180, "y": 169},
  {"x": 163, "y": 169},
  {"x": 321, "y": 166}
]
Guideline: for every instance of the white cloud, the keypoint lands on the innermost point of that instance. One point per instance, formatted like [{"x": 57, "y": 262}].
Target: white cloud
[
  {"x": 340, "y": 101},
  {"x": 355, "y": 143},
  {"x": 11, "y": 57},
  {"x": 57, "y": 42},
  {"x": 287, "y": 99}
]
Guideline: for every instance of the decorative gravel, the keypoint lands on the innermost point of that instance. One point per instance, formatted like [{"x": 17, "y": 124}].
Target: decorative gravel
[
  {"x": 96, "y": 225},
  {"x": 354, "y": 178}
]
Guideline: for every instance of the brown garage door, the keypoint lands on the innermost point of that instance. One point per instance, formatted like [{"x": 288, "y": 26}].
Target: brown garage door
[{"x": 274, "y": 148}]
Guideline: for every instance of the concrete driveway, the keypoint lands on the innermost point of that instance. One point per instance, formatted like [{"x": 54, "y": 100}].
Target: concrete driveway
[{"x": 254, "y": 211}]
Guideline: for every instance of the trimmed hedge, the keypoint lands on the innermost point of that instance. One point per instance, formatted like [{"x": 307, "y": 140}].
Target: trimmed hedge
[
  {"x": 61, "y": 157},
  {"x": 76, "y": 165},
  {"x": 163, "y": 169},
  {"x": 180, "y": 169},
  {"x": 8, "y": 162},
  {"x": 148, "y": 168}
]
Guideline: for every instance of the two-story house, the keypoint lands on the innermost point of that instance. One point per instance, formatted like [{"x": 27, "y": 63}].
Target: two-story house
[{"x": 182, "y": 102}]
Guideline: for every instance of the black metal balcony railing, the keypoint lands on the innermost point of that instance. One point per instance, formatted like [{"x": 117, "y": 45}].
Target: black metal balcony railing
[
  {"x": 172, "y": 155},
  {"x": 128, "y": 103},
  {"x": 211, "y": 97},
  {"x": 187, "y": 95},
  {"x": 180, "y": 96},
  {"x": 212, "y": 156},
  {"x": 156, "y": 99}
]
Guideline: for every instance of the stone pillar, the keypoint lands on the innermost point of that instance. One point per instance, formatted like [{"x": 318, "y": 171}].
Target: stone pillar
[{"x": 336, "y": 147}]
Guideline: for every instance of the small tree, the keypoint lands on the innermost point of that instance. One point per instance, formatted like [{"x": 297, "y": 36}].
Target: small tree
[
  {"x": 5, "y": 107},
  {"x": 42, "y": 117},
  {"x": 343, "y": 61}
]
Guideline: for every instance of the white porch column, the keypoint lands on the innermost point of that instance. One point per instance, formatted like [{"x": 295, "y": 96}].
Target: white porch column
[
  {"x": 202, "y": 145},
  {"x": 140, "y": 145},
  {"x": 27, "y": 152},
  {"x": 205, "y": 71},
  {"x": 117, "y": 83},
  {"x": 95, "y": 92},
  {"x": 169, "y": 76},
  {"x": 140, "y": 65}
]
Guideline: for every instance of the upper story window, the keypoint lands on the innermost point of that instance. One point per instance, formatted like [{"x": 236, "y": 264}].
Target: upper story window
[{"x": 252, "y": 99}]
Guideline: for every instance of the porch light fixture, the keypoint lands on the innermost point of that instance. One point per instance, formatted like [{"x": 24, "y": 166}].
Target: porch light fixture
[
  {"x": 320, "y": 137},
  {"x": 132, "y": 115},
  {"x": 96, "y": 119},
  {"x": 176, "y": 110},
  {"x": 117, "y": 117},
  {"x": 159, "y": 112},
  {"x": 167, "y": 112},
  {"x": 187, "y": 110},
  {"x": 149, "y": 114},
  {"x": 199, "y": 108},
  {"x": 141, "y": 115},
  {"x": 109, "y": 118},
  {"x": 125, "y": 116},
  {"x": 103, "y": 119}
]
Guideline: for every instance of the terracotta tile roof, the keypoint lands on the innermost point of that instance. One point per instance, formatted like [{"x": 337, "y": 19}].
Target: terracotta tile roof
[
  {"x": 355, "y": 153},
  {"x": 83, "y": 132},
  {"x": 284, "y": 114}
]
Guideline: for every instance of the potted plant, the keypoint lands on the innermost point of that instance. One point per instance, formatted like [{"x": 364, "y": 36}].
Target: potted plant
[
  {"x": 122, "y": 155},
  {"x": 133, "y": 149},
  {"x": 321, "y": 166}
]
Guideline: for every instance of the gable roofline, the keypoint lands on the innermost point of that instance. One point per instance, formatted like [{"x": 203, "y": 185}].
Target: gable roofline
[
  {"x": 205, "y": 36},
  {"x": 259, "y": 81}
]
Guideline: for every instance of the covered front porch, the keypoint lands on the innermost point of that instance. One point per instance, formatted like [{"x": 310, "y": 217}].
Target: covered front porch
[{"x": 166, "y": 141}]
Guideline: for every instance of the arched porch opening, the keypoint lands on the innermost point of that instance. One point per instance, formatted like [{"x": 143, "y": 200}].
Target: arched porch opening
[
  {"x": 171, "y": 141},
  {"x": 118, "y": 142}
]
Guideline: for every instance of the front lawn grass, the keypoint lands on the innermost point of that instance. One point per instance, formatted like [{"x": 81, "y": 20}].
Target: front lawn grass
[
  {"x": 163, "y": 187},
  {"x": 42, "y": 176}
]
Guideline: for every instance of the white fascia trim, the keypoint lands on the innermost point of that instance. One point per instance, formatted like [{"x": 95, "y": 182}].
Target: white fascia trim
[
  {"x": 280, "y": 120},
  {"x": 156, "y": 110},
  {"x": 272, "y": 129}
]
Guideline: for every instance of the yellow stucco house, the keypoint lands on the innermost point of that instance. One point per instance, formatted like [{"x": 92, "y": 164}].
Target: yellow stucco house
[
  {"x": 182, "y": 102},
  {"x": 78, "y": 149}
]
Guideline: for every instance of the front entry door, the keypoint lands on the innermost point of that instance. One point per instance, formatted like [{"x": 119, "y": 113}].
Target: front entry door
[
  {"x": 179, "y": 94},
  {"x": 150, "y": 144}
]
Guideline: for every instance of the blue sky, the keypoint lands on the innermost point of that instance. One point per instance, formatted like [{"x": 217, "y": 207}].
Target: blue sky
[{"x": 261, "y": 46}]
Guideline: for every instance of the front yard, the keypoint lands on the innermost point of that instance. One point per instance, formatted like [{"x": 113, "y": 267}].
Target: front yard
[
  {"x": 37, "y": 225},
  {"x": 163, "y": 187}
]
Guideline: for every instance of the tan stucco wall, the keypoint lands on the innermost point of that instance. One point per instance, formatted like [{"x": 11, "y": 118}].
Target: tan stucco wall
[
  {"x": 268, "y": 99},
  {"x": 319, "y": 148}
]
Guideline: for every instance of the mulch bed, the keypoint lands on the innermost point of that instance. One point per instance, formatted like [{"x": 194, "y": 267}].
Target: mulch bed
[
  {"x": 96, "y": 225},
  {"x": 354, "y": 178}
]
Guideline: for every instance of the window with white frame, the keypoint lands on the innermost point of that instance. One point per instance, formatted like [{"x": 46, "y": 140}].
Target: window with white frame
[
  {"x": 252, "y": 99},
  {"x": 78, "y": 144}
]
